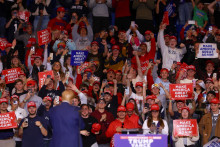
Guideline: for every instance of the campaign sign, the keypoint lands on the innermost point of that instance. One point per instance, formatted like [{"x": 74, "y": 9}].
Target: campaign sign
[
  {"x": 138, "y": 140},
  {"x": 24, "y": 15},
  {"x": 185, "y": 127},
  {"x": 44, "y": 36},
  {"x": 43, "y": 75},
  {"x": 181, "y": 91},
  {"x": 8, "y": 121},
  {"x": 165, "y": 18},
  {"x": 207, "y": 50},
  {"x": 3, "y": 43},
  {"x": 78, "y": 57},
  {"x": 213, "y": 143},
  {"x": 11, "y": 75}
]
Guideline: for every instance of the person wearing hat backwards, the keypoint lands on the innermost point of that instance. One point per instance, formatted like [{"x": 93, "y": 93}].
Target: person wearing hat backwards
[
  {"x": 66, "y": 123},
  {"x": 119, "y": 124},
  {"x": 58, "y": 20},
  {"x": 6, "y": 136},
  {"x": 188, "y": 141},
  {"x": 154, "y": 124},
  {"x": 32, "y": 128},
  {"x": 209, "y": 125}
]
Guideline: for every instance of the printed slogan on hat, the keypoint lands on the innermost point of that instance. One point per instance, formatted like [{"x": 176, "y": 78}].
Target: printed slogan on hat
[
  {"x": 181, "y": 91},
  {"x": 44, "y": 36},
  {"x": 207, "y": 50},
  {"x": 3, "y": 43},
  {"x": 78, "y": 57},
  {"x": 185, "y": 127},
  {"x": 11, "y": 75},
  {"x": 8, "y": 121}
]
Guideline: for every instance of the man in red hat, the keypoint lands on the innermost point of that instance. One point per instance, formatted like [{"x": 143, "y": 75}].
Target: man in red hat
[
  {"x": 32, "y": 128},
  {"x": 90, "y": 132},
  {"x": 131, "y": 116},
  {"x": 150, "y": 42},
  {"x": 170, "y": 53},
  {"x": 209, "y": 125},
  {"x": 104, "y": 119},
  {"x": 30, "y": 96},
  {"x": 190, "y": 77},
  {"x": 110, "y": 74},
  {"x": 121, "y": 123},
  {"x": 58, "y": 20},
  {"x": 6, "y": 135}
]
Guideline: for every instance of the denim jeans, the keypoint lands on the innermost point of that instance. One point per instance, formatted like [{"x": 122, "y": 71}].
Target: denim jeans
[
  {"x": 2, "y": 27},
  {"x": 185, "y": 12},
  {"x": 44, "y": 22}
]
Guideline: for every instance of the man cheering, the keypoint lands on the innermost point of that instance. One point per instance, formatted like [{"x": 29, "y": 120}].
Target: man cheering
[{"x": 66, "y": 123}]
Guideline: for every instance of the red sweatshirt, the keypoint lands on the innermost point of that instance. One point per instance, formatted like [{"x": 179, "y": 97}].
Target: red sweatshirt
[{"x": 122, "y": 8}]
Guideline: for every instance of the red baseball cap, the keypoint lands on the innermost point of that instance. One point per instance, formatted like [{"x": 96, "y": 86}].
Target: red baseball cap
[
  {"x": 147, "y": 32},
  {"x": 118, "y": 71},
  {"x": 121, "y": 31},
  {"x": 209, "y": 79},
  {"x": 96, "y": 127},
  {"x": 187, "y": 108},
  {"x": 15, "y": 96},
  {"x": 130, "y": 106},
  {"x": 87, "y": 70},
  {"x": 155, "y": 107},
  {"x": 31, "y": 104},
  {"x": 153, "y": 97},
  {"x": 192, "y": 67},
  {"x": 139, "y": 84},
  {"x": 48, "y": 98},
  {"x": 210, "y": 61},
  {"x": 31, "y": 83},
  {"x": 61, "y": 9},
  {"x": 121, "y": 108},
  {"x": 61, "y": 45},
  {"x": 110, "y": 83},
  {"x": 108, "y": 92},
  {"x": 115, "y": 47},
  {"x": 8, "y": 45},
  {"x": 31, "y": 42},
  {"x": 96, "y": 82},
  {"x": 143, "y": 43},
  {"x": 110, "y": 70},
  {"x": 3, "y": 100},
  {"x": 167, "y": 35},
  {"x": 214, "y": 101},
  {"x": 173, "y": 37},
  {"x": 94, "y": 42},
  {"x": 164, "y": 69}
]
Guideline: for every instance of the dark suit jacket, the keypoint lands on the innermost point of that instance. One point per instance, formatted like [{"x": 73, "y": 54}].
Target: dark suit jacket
[{"x": 66, "y": 123}]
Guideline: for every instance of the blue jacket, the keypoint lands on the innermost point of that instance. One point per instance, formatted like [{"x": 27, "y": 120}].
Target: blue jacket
[{"x": 66, "y": 123}]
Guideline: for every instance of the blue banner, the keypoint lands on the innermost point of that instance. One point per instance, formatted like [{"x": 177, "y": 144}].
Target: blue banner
[
  {"x": 138, "y": 140},
  {"x": 78, "y": 57}
]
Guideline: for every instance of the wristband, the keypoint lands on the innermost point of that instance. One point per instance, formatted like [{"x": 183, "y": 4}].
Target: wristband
[
  {"x": 40, "y": 126},
  {"x": 144, "y": 85},
  {"x": 21, "y": 127},
  {"x": 24, "y": 101}
]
